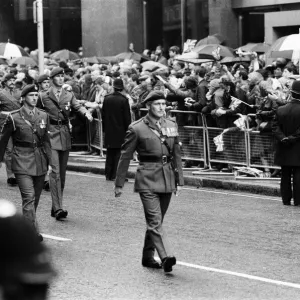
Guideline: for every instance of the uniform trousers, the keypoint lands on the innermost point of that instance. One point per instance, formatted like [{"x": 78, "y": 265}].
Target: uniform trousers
[
  {"x": 57, "y": 177},
  {"x": 287, "y": 193},
  {"x": 155, "y": 207},
  {"x": 8, "y": 158},
  {"x": 31, "y": 188},
  {"x": 111, "y": 163}
]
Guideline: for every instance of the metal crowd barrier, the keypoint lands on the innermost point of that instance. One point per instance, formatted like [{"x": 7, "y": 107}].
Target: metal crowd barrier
[
  {"x": 95, "y": 132},
  {"x": 247, "y": 147}
]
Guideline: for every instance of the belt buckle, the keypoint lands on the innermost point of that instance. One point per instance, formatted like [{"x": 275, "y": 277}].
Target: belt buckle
[
  {"x": 164, "y": 159},
  {"x": 59, "y": 122}
]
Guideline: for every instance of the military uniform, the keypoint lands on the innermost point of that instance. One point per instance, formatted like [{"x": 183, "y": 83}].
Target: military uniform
[
  {"x": 159, "y": 156},
  {"x": 9, "y": 101},
  {"x": 58, "y": 108},
  {"x": 30, "y": 155}
]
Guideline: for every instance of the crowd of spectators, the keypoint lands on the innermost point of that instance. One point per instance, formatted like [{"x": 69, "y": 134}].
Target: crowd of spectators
[{"x": 203, "y": 87}]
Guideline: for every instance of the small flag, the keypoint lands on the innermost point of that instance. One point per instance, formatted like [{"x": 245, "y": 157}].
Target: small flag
[
  {"x": 235, "y": 102},
  {"x": 189, "y": 45},
  {"x": 241, "y": 122},
  {"x": 218, "y": 140}
]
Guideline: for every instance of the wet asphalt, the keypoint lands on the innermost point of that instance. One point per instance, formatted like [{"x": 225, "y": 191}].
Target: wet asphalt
[{"x": 213, "y": 233}]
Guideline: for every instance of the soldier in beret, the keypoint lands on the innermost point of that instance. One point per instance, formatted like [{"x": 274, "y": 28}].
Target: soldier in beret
[
  {"x": 159, "y": 174},
  {"x": 43, "y": 82},
  {"x": 31, "y": 153},
  {"x": 58, "y": 102},
  {"x": 9, "y": 101}
]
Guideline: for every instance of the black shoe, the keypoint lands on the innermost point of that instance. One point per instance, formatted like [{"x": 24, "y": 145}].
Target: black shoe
[
  {"x": 12, "y": 181},
  {"x": 46, "y": 186},
  {"x": 52, "y": 213},
  {"x": 168, "y": 262},
  {"x": 61, "y": 214},
  {"x": 40, "y": 237},
  {"x": 151, "y": 263},
  {"x": 286, "y": 203}
]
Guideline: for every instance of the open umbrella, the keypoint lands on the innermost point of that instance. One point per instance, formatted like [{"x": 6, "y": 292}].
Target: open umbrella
[
  {"x": 228, "y": 60},
  {"x": 24, "y": 61},
  {"x": 132, "y": 55},
  {"x": 286, "y": 47},
  {"x": 153, "y": 66},
  {"x": 206, "y": 51},
  {"x": 9, "y": 50},
  {"x": 64, "y": 55},
  {"x": 211, "y": 39},
  {"x": 256, "y": 47}
]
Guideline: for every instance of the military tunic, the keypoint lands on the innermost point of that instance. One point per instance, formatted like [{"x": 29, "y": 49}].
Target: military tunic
[
  {"x": 9, "y": 101},
  {"x": 60, "y": 138},
  {"x": 30, "y": 156}
]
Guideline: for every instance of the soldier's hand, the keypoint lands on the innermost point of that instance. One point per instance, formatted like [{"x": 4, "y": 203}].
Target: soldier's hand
[
  {"x": 49, "y": 169},
  {"x": 178, "y": 190},
  {"x": 118, "y": 191},
  {"x": 89, "y": 116}
]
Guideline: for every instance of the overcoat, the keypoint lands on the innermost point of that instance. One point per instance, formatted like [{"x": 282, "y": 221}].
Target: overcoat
[
  {"x": 156, "y": 177},
  {"x": 60, "y": 135},
  {"x": 31, "y": 152},
  {"x": 287, "y": 124},
  {"x": 116, "y": 118}
]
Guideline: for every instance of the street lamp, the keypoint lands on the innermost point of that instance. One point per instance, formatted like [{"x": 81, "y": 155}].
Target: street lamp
[{"x": 38, "y": 19}]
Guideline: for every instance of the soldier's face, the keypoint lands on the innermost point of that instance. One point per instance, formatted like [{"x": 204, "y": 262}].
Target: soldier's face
[
  {"x": 59, "y": 80},
  {"x": 157, "y": 108},
  {"x": 45, "y": 85},
  {"x": 10, "y": 83},
  {"x": 31, "y": 99}
]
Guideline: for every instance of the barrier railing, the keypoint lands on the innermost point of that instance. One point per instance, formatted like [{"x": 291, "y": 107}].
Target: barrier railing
[
  {"x": 246, "y": 147},
  {"x": 95, "y": 132}
]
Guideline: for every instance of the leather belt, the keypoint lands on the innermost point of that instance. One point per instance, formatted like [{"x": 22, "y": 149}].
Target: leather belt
[
  {"x": 154, "y": 159},
  {"x": 58, "y": 122},
  {"x": 28, "y": 144}
]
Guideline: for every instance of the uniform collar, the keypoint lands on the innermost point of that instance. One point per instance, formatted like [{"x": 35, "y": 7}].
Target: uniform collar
[
  {"x": 28, "y": 111},
  {"x": 151, "y": 122}
]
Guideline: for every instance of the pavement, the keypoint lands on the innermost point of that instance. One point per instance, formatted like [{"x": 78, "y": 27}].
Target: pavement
[
  {"x": 228, "y": 245},
  {"x": 82, "y": 162}
]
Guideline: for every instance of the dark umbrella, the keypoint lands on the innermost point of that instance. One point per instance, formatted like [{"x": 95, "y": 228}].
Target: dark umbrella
[
  {"x": 211, "y": 39},
  {"x": 256, "y": 47},
  {"x": 228, "y": 60},
  {"x": 206, "y": 51},
  {"x": 64, "y": 55},
  {"x": 132, "y": 55}
]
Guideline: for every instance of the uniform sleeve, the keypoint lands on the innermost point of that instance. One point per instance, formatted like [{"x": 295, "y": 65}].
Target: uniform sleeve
[
  {"x": 47, "y": 143},
  {"x": 127, "y": 151},
  {"x": 6, "y": 130},
  {"x": 178, "y": 161},
  {"x": 77, "y": 106}
]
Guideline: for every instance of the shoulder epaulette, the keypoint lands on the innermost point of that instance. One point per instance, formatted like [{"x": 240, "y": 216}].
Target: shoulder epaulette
[
  {"x": 39, "y": 109},
  {"x": 136, "y": 122},
  {"x": 14, "y": 111},
  {"x": 172, "y": 119}
]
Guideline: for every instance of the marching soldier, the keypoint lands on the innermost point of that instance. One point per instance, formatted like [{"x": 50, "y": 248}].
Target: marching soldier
[
  {"x": 28, "y": 128},
  {"x": 155, "y": 139},
  {"x": 9, "y": 101},
  {"x": 57, "y": 102}
]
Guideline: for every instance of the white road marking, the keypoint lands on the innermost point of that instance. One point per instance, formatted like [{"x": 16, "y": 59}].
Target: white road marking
[
  {"x": 242, "y": 275},
  {"x": 57, "y": 238},
  {"x": 206, "y": 190}
]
